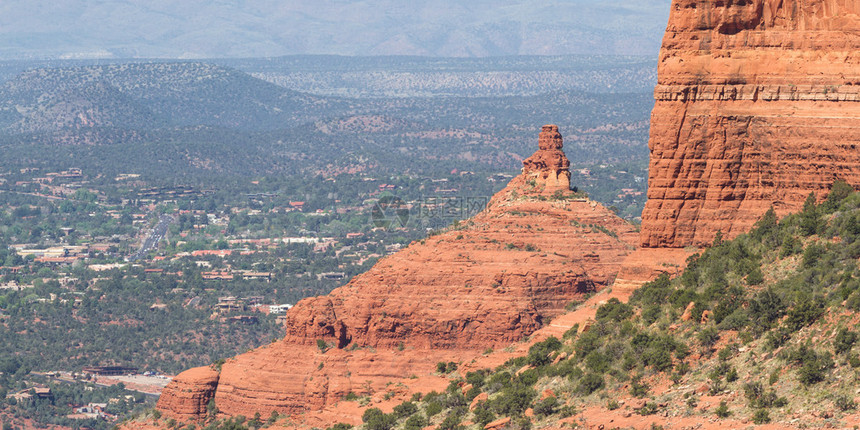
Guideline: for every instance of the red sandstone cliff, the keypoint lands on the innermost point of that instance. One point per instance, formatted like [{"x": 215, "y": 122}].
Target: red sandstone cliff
[
  {"x": 496, "y": 278},
  {"x": 757, "y": 104}
]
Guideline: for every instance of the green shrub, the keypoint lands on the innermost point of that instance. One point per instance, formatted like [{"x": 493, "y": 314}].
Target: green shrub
[
  {"x": 812, "y": 254},
  {"x": 804, "y": 312},
  {"x": 839, "y": 191},
  {"x": 375, "y": 419},
  {"x": 614, "y": 310},
  {"x": 814, "y": 371},
  {"x": 597, "y": 362},
  {"x": 726, "y": 353},
  {"x": 513, "y": 400},
  {"x": 433, "y": 408},
  {"x": 529, "y": 377},
  {"x": 755, "y": 277},
  {"x": 498, "y": 381},
  {"x": 476, "y": 378},
  {"x": 760, "y": 398},
  {"x": 776, "y": 338},
  {"x": 708, "y": 337},
  {"x": 766, "y": 227},
  {"x": 455, "y": 399},
  {"x": 774, "y": 377},
  {"x": 567, "y": 411},
  {"x": 571, "y": 332},
  {"x": 472, "y": 393},
  {"x": 590, "y": 383},
  {"x": 483, "y": 414},
  {"x": 844, "y": 340},
  {"x": 845, "y": 403},
  {"x": 523, "y": 423},
  {"x": 722, "y": 410},
  {"x": 810, "y": 217},
  {"x": 761, "y": 416},
  {"x": 651, "y": 313},
  {"x": 813, "y": 366},
  {"x": 451, "y": 422},
  {"x": 563, "y": 368},
  {"x": 732, "y": 375},
  {"x": 655, "y": 292},
  {"x": 405, "y": 409},
  {"x": 853, "y": 301},
  {"x": 638, "y": 388},
  {"x": 587, "y": 342},
  {"x": 546, "y": 407},
  {"x": 650, "y": 408},
  {"x": 766, "y": 308},
  {"x": 539, "y": 352},
  {"x": 416, "y": 422},
  {"x": 658, "y": 356}
]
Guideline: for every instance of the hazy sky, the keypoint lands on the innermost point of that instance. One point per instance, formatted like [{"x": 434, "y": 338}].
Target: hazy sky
[{"x": 220, "y": 28}]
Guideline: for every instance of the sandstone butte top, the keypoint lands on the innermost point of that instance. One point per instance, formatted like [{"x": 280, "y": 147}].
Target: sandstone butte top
[{"x": 548, "y": 167}]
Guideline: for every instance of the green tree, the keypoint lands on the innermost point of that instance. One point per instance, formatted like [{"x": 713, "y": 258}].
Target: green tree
[{"x": 810, "y": 217}]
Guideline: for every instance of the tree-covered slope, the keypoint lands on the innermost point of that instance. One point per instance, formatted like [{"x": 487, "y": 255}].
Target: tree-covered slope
[{"x": 149, "y": 96}]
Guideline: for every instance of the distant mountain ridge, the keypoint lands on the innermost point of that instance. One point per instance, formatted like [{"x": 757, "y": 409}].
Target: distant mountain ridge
[
  {"x": 409, "y": 76},
  {"x": 448, "y": 28},
  {"x": 194, "y": 119},
  {"x": 149, "y": 96}
]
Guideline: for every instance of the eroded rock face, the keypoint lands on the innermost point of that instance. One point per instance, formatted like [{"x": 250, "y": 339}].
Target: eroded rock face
[
  {"x": 549, "y": 168},
  {"x": 496, "y": 278},
  {"x": 187, "y": 395},
  {"x": 757, "y": 105}
]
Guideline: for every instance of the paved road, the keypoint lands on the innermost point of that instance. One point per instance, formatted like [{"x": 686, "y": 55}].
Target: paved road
[{"x": 155, "y": 235}]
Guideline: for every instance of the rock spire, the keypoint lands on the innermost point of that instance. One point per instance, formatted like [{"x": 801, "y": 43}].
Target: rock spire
[{"x": 548, "y": 167}]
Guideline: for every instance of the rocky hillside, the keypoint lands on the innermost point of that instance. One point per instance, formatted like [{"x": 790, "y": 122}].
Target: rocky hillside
[
  {"x": 757, "y": 330},
  {"x": 485, "y": 283},
  {"x": 758, "y": 104}
]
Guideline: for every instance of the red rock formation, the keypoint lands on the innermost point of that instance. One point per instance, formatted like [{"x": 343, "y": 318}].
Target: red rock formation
[
  {"x": 187, "y": 396},
  {"x": 487, "y": 283},
  {"x": 549, "y": 168},
  {"x": 757, "y": 105}
]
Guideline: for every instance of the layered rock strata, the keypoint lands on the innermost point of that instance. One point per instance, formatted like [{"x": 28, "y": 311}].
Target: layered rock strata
[
  {"x": 190, "y": 392},
  {"x": 548, "y": 168},
  {"x": 489, "y": 282},
  {"x": 757, "y": 105}
]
